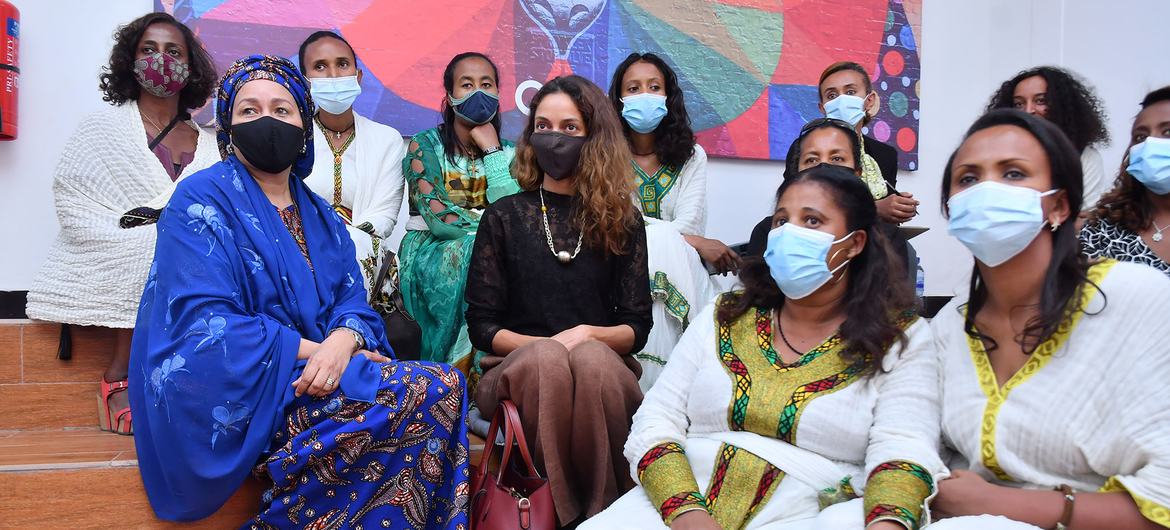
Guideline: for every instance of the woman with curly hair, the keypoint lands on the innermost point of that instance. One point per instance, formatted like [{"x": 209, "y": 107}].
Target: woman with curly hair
[
  {"x": 559, "y": 297},
  {"x": 1058, "y": 96},
  {"x": 671, "y": 178},
  {"x": 117, "y": 170},
  {"x": 1130, "y": 223},
  {"x": 787, "y": 400}
]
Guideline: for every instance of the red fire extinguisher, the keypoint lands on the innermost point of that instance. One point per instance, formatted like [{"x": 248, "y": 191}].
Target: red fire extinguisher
[{"x": 9, "y": 69}]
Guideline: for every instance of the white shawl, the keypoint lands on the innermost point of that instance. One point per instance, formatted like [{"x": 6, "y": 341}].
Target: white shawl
[
  {"x": 378, "y": 185},
  {"x": 95, "y": 270}
]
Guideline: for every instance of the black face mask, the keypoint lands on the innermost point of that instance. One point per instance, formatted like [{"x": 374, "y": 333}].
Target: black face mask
[
  {"x": 269, "y": 144},
  {"x": 557, "y": 153}
]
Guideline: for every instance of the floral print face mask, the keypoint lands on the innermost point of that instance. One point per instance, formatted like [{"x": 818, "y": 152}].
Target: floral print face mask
[{"x": 162, "y": 75}]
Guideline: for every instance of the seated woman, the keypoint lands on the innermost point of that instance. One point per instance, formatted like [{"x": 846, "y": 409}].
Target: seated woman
[
  {"x": 559, "y": 297},
  {"x": 1054, "y": 368},
  {"x": 814, "y": 383},
  {"x": 1129, "y": 222},
  {"x": 453, "y": 172},
  {"x": 1056, "y": 95},
  {"x": 671, "y": 180},
  {"x": 820, "y": 141},
  {"x": 255, "y": 346},
  {"x": 118, "y": 161},
  {"x": 358, "y": 165}
]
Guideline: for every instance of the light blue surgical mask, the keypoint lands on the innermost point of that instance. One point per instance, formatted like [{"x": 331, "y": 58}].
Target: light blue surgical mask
[
  {"x": 996, "y": 221},
  {"x": 1149, "y": 163},
  {"x": 334, "y": 95},
  {"x": 847, "y": 108},
  {"x": 644, "y": 111},
  {"x": 796, "y": 259}
]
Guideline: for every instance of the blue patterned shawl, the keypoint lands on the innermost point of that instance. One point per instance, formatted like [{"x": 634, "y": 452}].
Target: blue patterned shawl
[{"x": 227, "y": 301}]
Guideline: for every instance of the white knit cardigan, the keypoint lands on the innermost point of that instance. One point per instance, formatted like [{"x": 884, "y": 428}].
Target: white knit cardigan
[{"x": 95, "y": 270}]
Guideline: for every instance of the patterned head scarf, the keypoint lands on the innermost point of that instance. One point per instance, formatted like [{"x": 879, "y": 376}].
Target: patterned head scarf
[{"x": 276, "y": 69}]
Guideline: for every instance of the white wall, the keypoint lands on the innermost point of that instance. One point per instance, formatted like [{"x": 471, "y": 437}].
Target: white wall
[
  {"x": 62, "y": 48},
  {"x": 969, "y": 48}
]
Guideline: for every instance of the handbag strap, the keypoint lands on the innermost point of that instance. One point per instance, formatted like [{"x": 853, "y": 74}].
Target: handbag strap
[
  {"x": 485, "y": 458},
  {"x": 383, "y": 271},
  {"x": 513, "y": 425}
]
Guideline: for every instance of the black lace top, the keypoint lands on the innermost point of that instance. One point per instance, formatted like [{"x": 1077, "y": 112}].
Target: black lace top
[{"x": 514, "y": 282}]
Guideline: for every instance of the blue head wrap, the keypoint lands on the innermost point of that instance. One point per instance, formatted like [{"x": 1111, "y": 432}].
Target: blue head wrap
[{"x": 278, "y": 70}]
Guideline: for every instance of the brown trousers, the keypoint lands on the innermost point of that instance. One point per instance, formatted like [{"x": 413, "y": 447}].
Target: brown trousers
[{"x": 576, "y": 407}]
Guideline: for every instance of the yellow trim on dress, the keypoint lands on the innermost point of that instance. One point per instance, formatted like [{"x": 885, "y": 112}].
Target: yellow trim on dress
[
  {"x": 1150, "y": 509},
  {"x": 997, "y": 396}
]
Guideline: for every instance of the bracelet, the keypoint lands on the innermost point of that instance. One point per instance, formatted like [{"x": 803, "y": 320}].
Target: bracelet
[
  {"x": 1070, "y": 498},
  {"x": 493, "y": 149},
  {"x": 357, "y": 337}
]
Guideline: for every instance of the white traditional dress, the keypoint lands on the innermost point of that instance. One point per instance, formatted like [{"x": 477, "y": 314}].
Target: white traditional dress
[
  {"x": 731, "y": 429},
  {"x": 95, "y": 270},
  {"x": 364, "y": 185},
  {"x": 674, "y": 204},
  {"x": 1090, "y": 408}
]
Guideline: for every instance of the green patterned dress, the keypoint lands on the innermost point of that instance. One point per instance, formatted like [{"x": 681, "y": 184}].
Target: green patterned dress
[{"x": 437, "y": 247}]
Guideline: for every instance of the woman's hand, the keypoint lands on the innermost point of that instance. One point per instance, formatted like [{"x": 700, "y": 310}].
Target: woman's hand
[
  {"x": 964, "y": 493},
  {"x": 574, "y": 336},
  {"x": 695, "y": 520},
  {"x": 373, "y": 356},
  {"x": 485, "y": 136},
  {"x": 323, "y": 372},
  {"x": 897, "y": 209},
  {"x": 716, "y": 253}
]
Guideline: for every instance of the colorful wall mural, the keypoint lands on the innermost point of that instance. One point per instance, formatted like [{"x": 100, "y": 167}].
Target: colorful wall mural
[{"x": 749, "y": 67}]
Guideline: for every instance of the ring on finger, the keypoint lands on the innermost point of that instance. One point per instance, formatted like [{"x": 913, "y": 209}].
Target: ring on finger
[{"x": 329, "y": 383}]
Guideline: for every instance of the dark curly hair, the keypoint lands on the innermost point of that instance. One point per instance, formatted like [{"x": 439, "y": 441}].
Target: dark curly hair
[
  {"x": 1072, "y": 105},
  {"x": 117, "y": 79},
  {"x": 1128, "y": 205},
  {"x": 674, "y": 140},
  {"x": 1067, "y": 273},
  {"x": 876, "y": 298}
]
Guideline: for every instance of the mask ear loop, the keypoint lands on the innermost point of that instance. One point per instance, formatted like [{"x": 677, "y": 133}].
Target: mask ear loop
[{"x": 833, "y": 272}]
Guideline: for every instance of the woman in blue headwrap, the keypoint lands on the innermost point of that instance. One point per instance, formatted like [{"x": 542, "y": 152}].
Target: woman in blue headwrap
[{"x": 255, "y": 347}]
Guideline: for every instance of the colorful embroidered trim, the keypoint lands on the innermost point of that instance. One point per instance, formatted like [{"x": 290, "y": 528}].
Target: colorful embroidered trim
[
  {"x": 1150, "y": 509},
  {"x": 741, "y": 483},
  {"x": 996, "y": 396},
  {"x": 666, "y": 476},
  {"x": 789, "y": 387},
  {"x": 897, "y": 490},
  {"x": 676, "y": 304},
  {"x": 653, "y": 188}
]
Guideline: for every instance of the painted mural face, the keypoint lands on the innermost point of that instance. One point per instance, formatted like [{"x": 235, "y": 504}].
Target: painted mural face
[{"x": 563, "y": 20}]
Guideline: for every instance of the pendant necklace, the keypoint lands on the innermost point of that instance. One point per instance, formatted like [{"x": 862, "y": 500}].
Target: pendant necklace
[
  {"x": 1157, "y": 237},
  {"x": 563, "y": 256}
]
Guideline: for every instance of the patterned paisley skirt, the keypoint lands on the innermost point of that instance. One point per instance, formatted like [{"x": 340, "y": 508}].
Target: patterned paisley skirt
[{"x": 400, "y": 462}]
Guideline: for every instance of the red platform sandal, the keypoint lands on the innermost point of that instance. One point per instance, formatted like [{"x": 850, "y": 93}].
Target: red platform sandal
[{"x": 118, "y": 422}]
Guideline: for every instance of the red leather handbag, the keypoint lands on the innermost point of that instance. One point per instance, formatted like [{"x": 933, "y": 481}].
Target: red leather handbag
[{"x": 516, "y": 497}]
